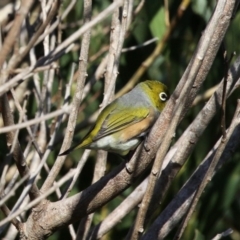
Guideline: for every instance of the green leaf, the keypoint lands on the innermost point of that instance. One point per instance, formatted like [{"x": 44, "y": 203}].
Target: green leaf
[
  {"x": 198, "y": 235},
  {"x": 201, "y": 7},
  {"x": 157, "y": 25}
]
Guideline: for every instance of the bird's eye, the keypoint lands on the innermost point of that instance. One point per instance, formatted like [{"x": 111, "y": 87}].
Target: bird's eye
[{"x": 163, "y": 96}]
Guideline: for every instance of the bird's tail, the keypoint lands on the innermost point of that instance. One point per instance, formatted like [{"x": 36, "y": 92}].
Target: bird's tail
[{"x": 69, "y": 150}]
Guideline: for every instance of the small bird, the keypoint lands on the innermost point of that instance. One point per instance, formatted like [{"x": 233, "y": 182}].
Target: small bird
[{"x": 122, "y": 124}]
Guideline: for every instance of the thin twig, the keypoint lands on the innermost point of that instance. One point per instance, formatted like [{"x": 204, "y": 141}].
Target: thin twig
[
  {"x": 133, "y": 48},
  {"x": 14, "y": 221},
  {"x": 35, "y": 37},
  {"x": 43, "y": 196},
  {"x": 78, "y": 170},
  {"x": 17, "y": 152},
  {"x": 56, "y": 113},
  {"x": 223, "y": 106},
  {"x": 81, "y": 31},
  {"x": 83, "y": 60},
  {"x": 223, "y": 234},
  {"x": 15, "y": 29},
  {"x": 64, "y": 47},
  {"x": 116, "y": 42},
  {"x": 119, "y": 212}
]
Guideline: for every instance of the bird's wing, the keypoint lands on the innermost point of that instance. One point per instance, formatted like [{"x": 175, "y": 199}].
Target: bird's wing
[{"x": 118, "y": 120}]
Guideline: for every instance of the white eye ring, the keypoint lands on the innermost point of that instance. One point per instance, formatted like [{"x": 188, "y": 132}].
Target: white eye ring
[{"x": 163, "y": 96}]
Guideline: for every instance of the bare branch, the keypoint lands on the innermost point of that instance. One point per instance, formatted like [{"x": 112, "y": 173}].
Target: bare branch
[
  {"x": 17, "y": 152},
  {"x": 12, "y": 35}
]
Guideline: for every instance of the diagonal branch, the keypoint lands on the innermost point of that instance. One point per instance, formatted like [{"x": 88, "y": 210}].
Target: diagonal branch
[
  {"x": 17, "y": 152},
  {"x": 13, "y": 33}
]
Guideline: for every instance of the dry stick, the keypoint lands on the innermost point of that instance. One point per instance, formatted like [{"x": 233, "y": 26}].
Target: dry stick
[
  {"x": 64, "y": 47},
  {"x": 39, "y": 69},
  {"x": 76, "y": 101},
  {"x": 85, "y": 223},
  {"x": 116, "y": 39},
  {"x": 48, "y": 75},
  {"x": 17, "y": 152},
  {"x": 209, "y": 174},
  {"x": 12, "y": 187},
  {"x": 35, "y": 173},
  {"x": 223, "y": 234},
  {"x": 145, "y": 65},
  {"x": 223, "y": 108},
  {"x": 13, "y": 147},
  {"x": 139, "y": 7},
  {"x": 60, "y": 119},
  {"x": 44, "y": 157},
  {"x": 119, "y": 212},
  {"x": 13, "y": 190},
  {"x": 99, "y": 170},
  {"x": 50, "y": 82},
  {"x": 4, "y": 207},
  {"x": 9, "y": 155},
  {"x": 203, "y": 97},
  {"x": 36, "y": 80},
  {"x": 43, "y": 196},
  {"x": 113, "y": 56},
  {"x": 82, "y": 30},
  {"x": 15, "y": 29},
  {"x": 129, "y": 14},
  {"x": 78, "y": 170},
  {"x": 14, "y": 221},
  {"x": 133, "y": 48},
  {"x": 35, "y": 37},
  {"x": 11, "y": 233},
  {"x": 166, "y": 15},
  {"x": 64, "y": 110},
  {"x": 58, "y": 123},
  {"x": 58, "y": 21},
  {"x": 22, "y": 112},
  {"x": 39, "y": 101}
]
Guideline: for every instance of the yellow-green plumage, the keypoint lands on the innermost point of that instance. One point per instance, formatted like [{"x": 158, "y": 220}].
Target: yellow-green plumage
[{"x": 123, "y": 122}]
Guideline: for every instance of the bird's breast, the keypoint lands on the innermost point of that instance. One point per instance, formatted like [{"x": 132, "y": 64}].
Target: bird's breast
[{"x": 114, "y": 143}]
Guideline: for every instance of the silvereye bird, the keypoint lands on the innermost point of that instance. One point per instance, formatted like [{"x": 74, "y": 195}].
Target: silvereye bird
[{"x": 122, "y": 124}]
